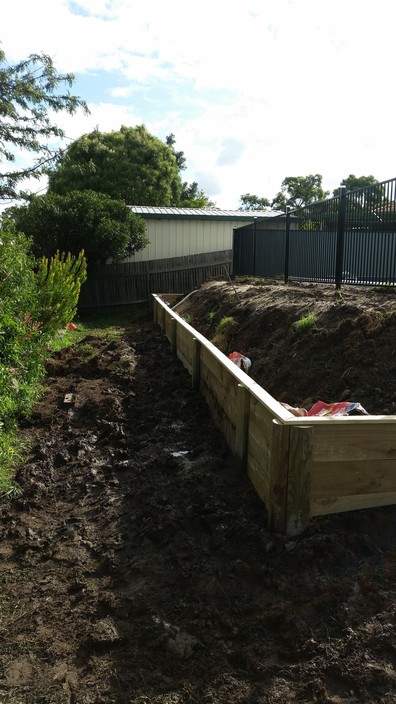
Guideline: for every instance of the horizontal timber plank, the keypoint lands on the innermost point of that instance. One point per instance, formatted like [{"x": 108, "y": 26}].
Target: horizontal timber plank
[
  {"x": 184, "y": 345},
  {"x": 278, "y": 411},
  {"x": 329, "y": 479},
  {"x": 260, "y": 481},
  {"x": 342, "y": 420},
  {"x": 322, "y": 507},
  {"x": 220, "y": 418},
  {"x": 353, "y": 442}
]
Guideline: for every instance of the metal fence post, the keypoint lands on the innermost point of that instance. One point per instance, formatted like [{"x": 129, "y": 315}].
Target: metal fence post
[
  {"x": 287, "y": 244},
  {"x": 254, "y": 245},
  {"x": 340, "y": 237}
]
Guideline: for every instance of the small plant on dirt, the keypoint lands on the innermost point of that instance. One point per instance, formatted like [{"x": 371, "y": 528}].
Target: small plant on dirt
[
  {"x": 211, "y": 316},
  {"x": 305, "y": 322},
  {"x": 224, "y": 323},
  {"x": 188, "y": 318},
  {"x": 340, "y": 295}
]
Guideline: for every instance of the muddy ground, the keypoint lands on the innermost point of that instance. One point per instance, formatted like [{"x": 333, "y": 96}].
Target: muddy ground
[{"x": 136, "y": 566}]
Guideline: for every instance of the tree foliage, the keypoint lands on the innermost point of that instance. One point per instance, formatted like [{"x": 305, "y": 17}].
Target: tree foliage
[
  {"x": 130, "y": 165},
  {"x": 353, "y": 182},
  {"x": 29, "y": 92},
  {"x": 299, "y": 191},
  {"x": 252, "y": 202},
  {"x": 21, "y": 343},
  {"x": 80, "y": 220},
  {"x": 193, "y": 197}
]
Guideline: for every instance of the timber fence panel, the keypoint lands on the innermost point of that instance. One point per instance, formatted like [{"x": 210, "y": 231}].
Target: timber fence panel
[{"x": 133, "y": 282}]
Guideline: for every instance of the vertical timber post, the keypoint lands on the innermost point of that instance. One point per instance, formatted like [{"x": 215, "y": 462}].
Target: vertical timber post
[
  {"x": 172, "y": 334},
  {"x": 155, "y": 310},
  {"x": 242, "y": 426},
  {"x": 278, "y": 477},
  {"x": 299, "y": 479},
  {"x": 340, "y": 238},
  {"x": 162, "y": 319},
  {"x": 196, "y": 365}
]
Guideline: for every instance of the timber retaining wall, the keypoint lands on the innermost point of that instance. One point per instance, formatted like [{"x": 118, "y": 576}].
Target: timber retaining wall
[{"x": 300, "y": 467}]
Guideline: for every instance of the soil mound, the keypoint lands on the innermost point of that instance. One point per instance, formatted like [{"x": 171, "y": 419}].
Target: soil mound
[{"x": 345, "y": 354}]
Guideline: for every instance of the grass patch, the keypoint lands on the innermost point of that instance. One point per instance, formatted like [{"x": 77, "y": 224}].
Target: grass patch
[
  {"x": 305, "y": 322},
  {"x": 108, "y": 326},
  {"x": 224, "y": 323}
]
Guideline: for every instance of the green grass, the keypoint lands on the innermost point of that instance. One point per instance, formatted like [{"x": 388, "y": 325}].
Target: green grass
[
  {"x": 224, "y": 323},
  {"x": 109, "y": 326},
  {"x": 305, "y": 322}
]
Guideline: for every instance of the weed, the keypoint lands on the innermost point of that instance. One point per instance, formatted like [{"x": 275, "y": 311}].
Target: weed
[
  {"x": 211, "y": 316},
  {"x": 188, "y": 318},
  {"x": 305, "y": 322},
  {"x": 340, "y": 295},
  {"x": 224, "y": 323}
]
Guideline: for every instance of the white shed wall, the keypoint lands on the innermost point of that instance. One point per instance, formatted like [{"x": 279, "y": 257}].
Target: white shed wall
[{"x": 177, "y": 238}]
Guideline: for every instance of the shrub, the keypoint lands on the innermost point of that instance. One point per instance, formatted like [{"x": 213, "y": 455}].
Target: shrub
[{"x": 59, "y": 282}]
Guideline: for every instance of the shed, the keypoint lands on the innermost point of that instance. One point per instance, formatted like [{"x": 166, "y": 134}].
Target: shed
[{"x": 178, "y": 232}]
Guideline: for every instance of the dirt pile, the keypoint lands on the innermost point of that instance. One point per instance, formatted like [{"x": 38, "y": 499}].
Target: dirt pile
[
  {"x": 347, "y": 354},
  {"x": 136, "y": 563}
]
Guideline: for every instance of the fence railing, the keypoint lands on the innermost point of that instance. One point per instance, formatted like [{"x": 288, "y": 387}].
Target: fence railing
[{"x": 350, "y": 239}]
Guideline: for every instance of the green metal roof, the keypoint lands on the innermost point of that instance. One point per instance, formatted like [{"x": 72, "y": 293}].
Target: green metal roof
[{"x": 160, "y": 213}]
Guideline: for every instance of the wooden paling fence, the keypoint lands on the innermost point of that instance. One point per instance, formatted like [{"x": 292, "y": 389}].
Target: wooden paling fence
[
  {"x": 300, "y": 467},
  {"x": 133, "y": 282}
]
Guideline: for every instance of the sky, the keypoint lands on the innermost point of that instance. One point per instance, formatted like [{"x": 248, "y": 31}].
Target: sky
[{"x": 253, "y": 90}]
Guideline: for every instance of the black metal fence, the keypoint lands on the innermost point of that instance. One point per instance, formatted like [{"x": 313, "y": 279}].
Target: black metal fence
[{"x": 349, "y": 239}]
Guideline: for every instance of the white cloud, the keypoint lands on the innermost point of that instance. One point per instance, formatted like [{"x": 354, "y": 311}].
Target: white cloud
[{"x": 254, "y": 91}]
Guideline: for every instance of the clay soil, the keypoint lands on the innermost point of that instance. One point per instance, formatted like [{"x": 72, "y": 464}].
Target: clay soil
[{"x": 136, "y": 565}]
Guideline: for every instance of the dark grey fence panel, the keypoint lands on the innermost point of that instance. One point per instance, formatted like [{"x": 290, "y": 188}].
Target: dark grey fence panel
[
  {"x": 243, "y": 259},
  {"x": 350, "y": 238},
  {"x": 370, "y": 257},
  {"x": 270, "y": 253},
  {"x": 259, "y": 252},
  {"x": 312, "y": 255}
]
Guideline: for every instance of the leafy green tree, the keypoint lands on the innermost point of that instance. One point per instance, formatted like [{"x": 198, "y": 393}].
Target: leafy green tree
[
  {"x": 130, "y": 165},
  {"x": 179, "y": 156},
  {"x": 299, "y": 191},
  {"x": 29, "y": 92},
  {"x": 252, "y": 202},
  {"x": 103, "y": 227},
  {"x": 193, "y": 197},
  {"x": 353, "y": 182}
]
